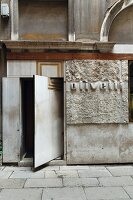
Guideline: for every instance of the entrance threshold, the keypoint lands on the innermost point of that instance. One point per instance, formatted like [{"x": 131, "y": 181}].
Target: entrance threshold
[{"x": 28, "y": 162}]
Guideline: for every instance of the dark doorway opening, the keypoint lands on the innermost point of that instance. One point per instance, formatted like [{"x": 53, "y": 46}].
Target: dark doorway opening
[{"x": 27, "y": 89}]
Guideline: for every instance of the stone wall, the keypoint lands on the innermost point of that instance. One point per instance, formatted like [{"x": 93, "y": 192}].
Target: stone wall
[
  {"x": 99, "y": 143},
  {"x": 97, "y": 112},
  {"x": 96, "y": 91},
  {"x": 43, "y": 20}
]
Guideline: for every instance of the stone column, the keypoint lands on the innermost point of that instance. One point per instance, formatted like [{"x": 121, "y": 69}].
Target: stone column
[
  {"x": 3, "y": 73},
  {"x": 14, "y": 19},
  {"x": 5, "y": 24}
]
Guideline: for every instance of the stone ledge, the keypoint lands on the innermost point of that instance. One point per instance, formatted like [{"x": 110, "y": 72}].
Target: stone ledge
[{"x": 79, "y": 46}]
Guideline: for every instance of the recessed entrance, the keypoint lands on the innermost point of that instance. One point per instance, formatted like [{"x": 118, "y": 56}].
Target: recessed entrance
[{"x": 42, "y": 113}]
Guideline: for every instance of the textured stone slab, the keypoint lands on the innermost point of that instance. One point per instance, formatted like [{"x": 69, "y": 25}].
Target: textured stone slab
[
  {"x": 94, "y": 173},
  {"x": 94, "y": 70},
  {"x": 104, "y": 99},
  {"x": 61, "y": 173},
  {"x": 80, "y": 182},
  {"x": 129, "y": 190},
  {"x": 116, "y": 181},
  {"x": 97, "y": 107},
  {"x": 21, "y": 194},
  {"x": 121, "y": 170},
  {"x": 63, "y": 194},
  {"x": 12, "y": 183},
  {"x": 111, "y": 193},
  {"x": 27, "y": 174},
  {"x": 36, "y": 183}
]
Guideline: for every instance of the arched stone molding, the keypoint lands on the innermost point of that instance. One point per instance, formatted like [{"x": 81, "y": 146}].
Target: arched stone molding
[{"x": 111, "y": 14}]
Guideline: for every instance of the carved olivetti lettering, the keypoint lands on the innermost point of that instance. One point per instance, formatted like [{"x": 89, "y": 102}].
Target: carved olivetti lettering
[
  {"x": 103, "y": 86},
  {"x": 94, "y": 86}
]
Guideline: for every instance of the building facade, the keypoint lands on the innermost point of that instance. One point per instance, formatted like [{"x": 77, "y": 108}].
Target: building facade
[{"x": 66, "y": 76}]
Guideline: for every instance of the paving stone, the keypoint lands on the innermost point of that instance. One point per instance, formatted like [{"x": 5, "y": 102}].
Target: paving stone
[
  {"x": 51, "y": 183},
  {"x": 27, "y": 174},
  {"x": 5, "y": 175},
  {"x": 50, "y": 174},
  {"x": 2, "y": 168},
  {"x": 121, "y": 170},
  {"x": 16, "y": 169},
  {"x": 129, "y": 190},
  {"x": 50, "y": 168},
  {"x": 61, "y": 173},
  {"x": 116, "y": 181},
  {"x": 80, "y": 182},
  {"x": 97, "y": 167},
  {"x": 94, "y": 173},
  {"x": 12, "y": 183},
  {"x": 75, "y": 167},
  {"x": 106, "y": 193},
  {"x": 63, "y": 194},
  {"x": 21, "y": 194}
]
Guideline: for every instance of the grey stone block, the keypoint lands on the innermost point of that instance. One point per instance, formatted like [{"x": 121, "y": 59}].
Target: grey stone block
[
  {"x": 93, "y": 173},
  {"x": 116, "y": 181},
  {"x": 98, "y": 144},
  {"x": 50, "y": 168},
  {"x": 121, "y": 170},
  {"x": 27, "y": 174},
  {"x": 80, "y": 182},
  {"x": 46, "y": 183},
  {"x": 11, "y": 168},
  {"x": 61, "y": 173},
  {"x": 75, "y": 167},
  {"x": 21, "y": 194},
  {"x": 64, "y": 194},
  {"x": 12, "y": 183},
  {"x": 107, "y": 193}
]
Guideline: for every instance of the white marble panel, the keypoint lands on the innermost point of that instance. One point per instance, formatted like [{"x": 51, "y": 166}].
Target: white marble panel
[{"x": 21, "y": 68}]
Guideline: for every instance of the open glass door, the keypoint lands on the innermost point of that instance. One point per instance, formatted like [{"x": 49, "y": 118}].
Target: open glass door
[{"x": 48, "y": 120}]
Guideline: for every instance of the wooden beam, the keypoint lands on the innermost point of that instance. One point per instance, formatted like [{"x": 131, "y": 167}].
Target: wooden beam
[{"x": 67, "y": 56}]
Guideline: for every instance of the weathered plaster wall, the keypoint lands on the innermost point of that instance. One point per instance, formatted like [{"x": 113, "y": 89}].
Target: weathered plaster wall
[
  {"x": 97, "y": 112},
  {"x": 62, "y": 19},
  {"x": 121, "y": 30},
  {"x": 43, "y": 20},
  {"x": 88, "y": 16}
]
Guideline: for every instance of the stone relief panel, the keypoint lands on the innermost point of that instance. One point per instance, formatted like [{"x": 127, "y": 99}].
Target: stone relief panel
[{"x": 96, "y": 91}]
